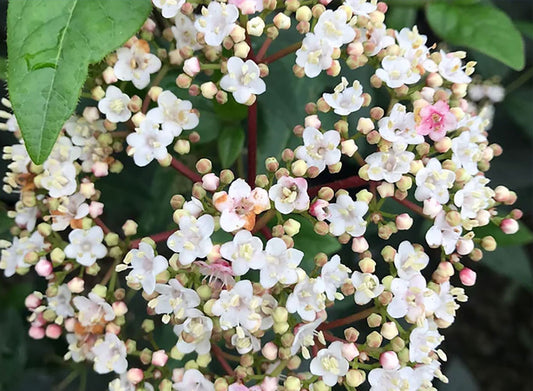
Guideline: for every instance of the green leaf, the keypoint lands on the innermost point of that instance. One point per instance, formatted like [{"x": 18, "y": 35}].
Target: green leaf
[
  {"x": 525, "y": 28},
  {"x": 13, "y": 354},
  {"x": 512, "y": 262},
  {"x": 523, "y": 236},
  {"x": 50, "y": 46},
  {"x": 399, "y": 17},
  {"x": 230, "y": 144},
  {"x": 481, "y": 27},
  {"x": 460, "y": 377},
  {"x": 3, "y": 68},
  {"x": 518, "y": 105}
]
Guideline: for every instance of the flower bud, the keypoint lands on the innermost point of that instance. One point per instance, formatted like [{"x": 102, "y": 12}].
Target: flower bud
[
  {"x": 270, "y": 351},
  {"x": 365, "y": 125},
  {"x": 359, "y": 245},
  {"x": 282, "y": 21},
  {"x": 509, "y": 226},
  {"x": 299, "y": 168},
  {"x": 291, "y": 227},
  {"x": 389, "y": 330},
  {"x": 374, "y": 339},
  {"x": 292, "y": 383},
  {"x": 374, "y": 320},
  {"x": 44, "y": 268},
  {"x": 159, "y": 358},
  {"x": 349, "y": 351},
  {"x": 488, "y": 243},
  {"x": 385, "y": 189},
  {"x": 255, "y": 26},
  {"x": 355, "y": 377},
  {"x": 208, "y": 89},
  {"x": 129, "y": 228},
  {"x": 404, "y": 222},
  {"x": 389, "y": 360},
  {"x": 135, "y": 375},
  {"x": 76, "y": 285},
  {"x": 467, "y": 276}
]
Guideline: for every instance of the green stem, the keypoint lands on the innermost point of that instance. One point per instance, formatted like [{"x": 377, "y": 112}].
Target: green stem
[{"x": 518, "y": 82}]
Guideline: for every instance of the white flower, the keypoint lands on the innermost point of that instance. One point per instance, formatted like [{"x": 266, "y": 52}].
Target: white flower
[
  {"x": 289, "y": 194},
  {"x": 60, "y": 303},
  {"x": 332, "y": 26},
  {"x": 146, "y": 266},
  {"x": 330, "y": 364},
  {"x": 240, "y": 205},
  {"x": 193, "y": 380},
  {"x": 477, "y": 127},
  {"x": 413, "y": 47},
  {"x": 115, "y": 105},
  {"x": 59, "y": 178},
  {"x": 390, "y": 165},
  {"x": 85, "y": 245},
  {"x": 238, "y": 307},
  {"x": 380, "y": 39},
  {"x": 13, "y": 257},
  {"x": 174, "y": 114},
  {"x": 305, "y": 336},
  {"x": 409, "y": 261},
  {"x": 466, "y": 152},
  {"x": 346, "y": 215},
  {"x": 63, "y": 152},
  {"x": 307, "y": 298},
  {"x": 169, "y": 8},
  {"x": 194, "y": 334},
  {"x": 361, "y": 7},
  {"x": 80, "y": 130},
  {"x": 333, "y": 275},
  {"x": 70, "y": 208},
  {"x": 25, "y": 216},
  {"x": 243, "y": 79},
  {"x": 345, "y": 100},
  {"x": 148, "y": 143},
  {"x": 245, "y": 252},
  {"x": 174, "y": 298},
  {"x": 412, "y": 298},
  {"x": 319, "y": 149},
  {"x": 403, "y": 379},
  {"x": 314, "y": 55},
  {"x": 93, "y": 310},
  {"x": 19, "y": 156},
  {"x": 122, "y": 384},
  {"x": 245, "y": 342},
  {"x": 366, "y": 286},
  {"x": 443, "y": 234},
  {"x": 281, "y": 264},
  {"x": 110, "y": 355},
  {"x": 193, "y": 239},
  {"x": 185, "y": 33},
  {"x": 447, "y": 306},
  {"x": 135, "y": 64},
  {"x": 474, "y": 197},
  {"x": 400, "y": 126},
  {"x": 422, "y": 341},
  {"x": 433, "y": 181},
  {"x": 216, "y": 22},
  {"x": 397, "y": 71},
  {"x": 451, "y": 69}
]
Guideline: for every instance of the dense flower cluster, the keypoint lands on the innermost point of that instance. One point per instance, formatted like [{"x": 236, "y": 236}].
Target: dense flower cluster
[{"x": 233, "y": 282}]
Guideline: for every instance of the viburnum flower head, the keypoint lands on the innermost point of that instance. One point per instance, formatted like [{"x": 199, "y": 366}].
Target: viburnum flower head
[
  {"x": 332, "y": 26},
  {"x": 390, "y": 165},
  {"x": 13, "y": 257},
  {"x": 400, "y": 126},
  {"x": 93, "y": 309},
  {"x": 436, "y": 120},
  {"x": 193, "y": 239},
  {"x": 319, "y": 149},
  {"x": 115, "y": 105},
  {"x": 345, "y": 101},
  {"x": 346, "y": 215},
  {"x": 396, "y": 71},
  {"x": 307, "y": 299},
  {"x": 330, "y": 364},
  {"x": 474, "y": 197},
  {"x": 194, "y": 334},
  {"x": 169, "y": 8},
  {"x": 367, "y": 287},
  {"x": 175, "y": 298},
  {"x": 289, "y": 194},
  {"x": 314, "y": 55},
  {"x": 433, "y": 181},
  {"x": 443, "y": 234},
  {"x": 240, "y": 205},
  {"x": 409, "y": 261},
  {"x": 245, "y": 252},
  {"x": 148, "y": 142},
  {"x": 412, "y": 298},
  {"x": 216, "y": 22},
  {"x": 185, "y": 33},
  {"x": 136, "y": 63},
  {"x": 281, "y": 264},
  {"x": 110, "y": 355},
  {"x": 174, "y": 114},
  {"x": 146, "y": 266},
  {"x": 333, "y": 275},
  {"x": 85, "y": 245},
  {"x": 242, "y": 79}
]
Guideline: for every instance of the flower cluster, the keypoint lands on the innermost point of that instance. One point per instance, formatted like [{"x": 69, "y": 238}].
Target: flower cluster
[{"x": 234, "y": 281}]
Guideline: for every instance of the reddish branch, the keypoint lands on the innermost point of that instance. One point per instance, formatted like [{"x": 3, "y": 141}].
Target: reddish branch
[
  {"x": 219, "y": 354},
  {"x": 262, "y": 51},
  {"x": 348, "y": 320},
  {"x": 101, "y": 224},
  {"x": 346, "y": 183},
  {"x": 411, "y": 205},
  {"x": 159, "y": 237},
  {"x": 252, "y": 143},
  {"x": 282, "y": 53},
  {"x": 186, "y": 171}
]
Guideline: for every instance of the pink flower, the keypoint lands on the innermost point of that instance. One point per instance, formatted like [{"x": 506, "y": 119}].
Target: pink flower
[
  {"x": 219, "y": 270},
  {"x": 318, "y": 209},
  {"x": 436, "y": 120},
  {"x": 248, "y": 7},
  {"x": 467, "y": 276}
]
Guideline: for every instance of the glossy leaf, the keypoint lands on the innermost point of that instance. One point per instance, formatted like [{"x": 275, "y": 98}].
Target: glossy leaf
[
  {"x": 50, "y": 46},
  {"x": 3, "y": 68},
  {"x": 230, "y": 144},
  {"x": 525, "y": 28},
  {"x": 512, "y": 262},
  {"x": 313, "y": 243},
  {"x": 523, "y": 236},
  {"x": 481, "y": 27}
]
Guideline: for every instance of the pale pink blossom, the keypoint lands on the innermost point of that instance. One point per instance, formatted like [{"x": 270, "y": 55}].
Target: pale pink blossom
[
  {"x": 436, "y": 120},
  {"x": 289, "y": 194}
]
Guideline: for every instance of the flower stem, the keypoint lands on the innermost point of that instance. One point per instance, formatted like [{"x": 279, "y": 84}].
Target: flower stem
[
  {"x": 347, "y": 183},
  {"x": 155, "y": 83},
  {"x": 282, "y": 53},
  {"x": 252, "y": 143},
  {"x": 348, "y": 320},
  {"x": 159, "y": 237},
  {"x": 219, "y": 354},
  {"x": 411, "y": 205},
  {"x": 102, "y": 225},
  {"x": 262, "y": 51},
  {"x": 186, "y": 171}
]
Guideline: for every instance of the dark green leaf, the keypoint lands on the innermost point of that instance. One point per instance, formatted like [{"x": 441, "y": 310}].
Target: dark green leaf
[
  {"x": 460, "y": 377},
  {"x": 523, "y": 236},
  {"x": 511, "y": 262},
  {"x": 12, "y": 347},
  {"x": 231, "y": 110},
  {"x": 525, "y": 28},
  {"x": 230, "y": 144},
  {"x": 481, "y": 27},
  {"x": 50, "y": 46},
  {"x": 399, "y": 17},
  {"x": 3, "y": 68},
  {"x": 518, "y": 105}
]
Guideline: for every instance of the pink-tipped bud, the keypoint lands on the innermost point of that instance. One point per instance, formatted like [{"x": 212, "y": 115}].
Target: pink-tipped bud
[
  {"x": 312, "y": 121},
  {"x": 317, "y": 209},
  {"x": 465, "y": 246},
  {"x": 270, "y": 351},
  {"x": 431, "y": 207},
  {"x": 96, "y": 209},
  {"x": 109, "y": 76},
  {"x": 100, "y": 169},
  {"x": 32, "y": 301},
  {"x": 359, "y": 245},
  {"x": 191, "y": 66},
  {"x": 349, "y": 351},
  {"x": 467, "y": 276},
  {"x": 120, "y": 308},
  {"x": 159, "y": 358},
  {"x": 36, "y": 332},
  {"x": 404, "y": 222},
  {"x": 389, "y": 360},
  {"x": 210, "y": 182},
  {"x": 53, "y": 331},
  {"x": 509, "y": 226},
  {"x": 44, "y": 268},
  {"x": 135, "y": 375},
  {"x": 76, "y": 285}
]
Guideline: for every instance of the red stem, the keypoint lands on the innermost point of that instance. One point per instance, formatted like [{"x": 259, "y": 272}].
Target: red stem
[
  {"x": 252, "y": 143},
  {"x": 348, "y": 320},
  {"x": 331, "y": 338},
  {"x": 186, "y": 171},
  {"x": 282, "y": 53},
  {"x": 266, "y": 231},
  {"x": 262, "y": 51},
  {"x": 159, "y": 237},
  {"x": 219, "y": 354},
  {"x": 346, "y": 183},
  {"x": 101, "y": 224},
  {"x": 411, "y": 205}
]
